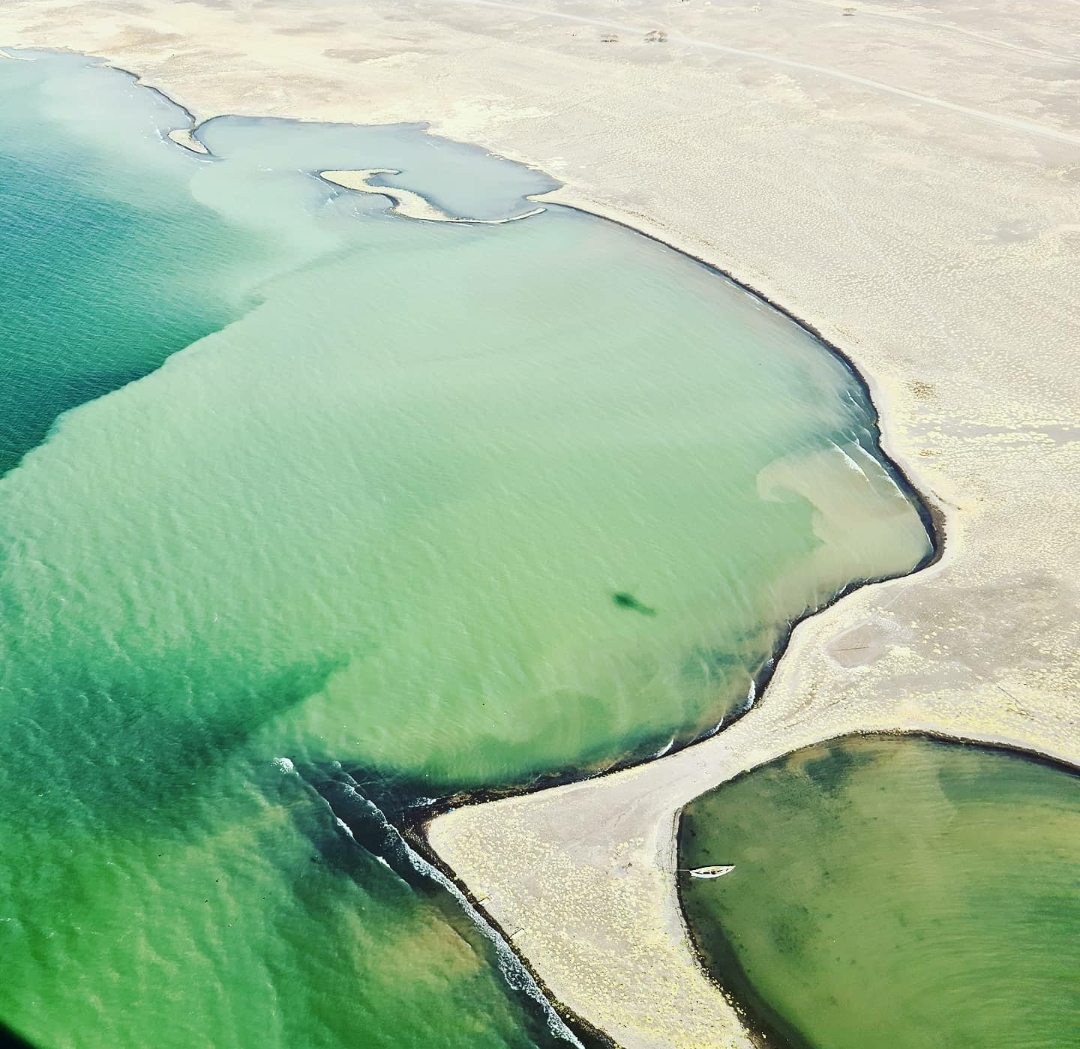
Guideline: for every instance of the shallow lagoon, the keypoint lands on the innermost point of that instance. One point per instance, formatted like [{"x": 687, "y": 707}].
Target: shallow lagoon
[
  {"x": 894, "y": 892},
  {"x": 447, "y": 505}
]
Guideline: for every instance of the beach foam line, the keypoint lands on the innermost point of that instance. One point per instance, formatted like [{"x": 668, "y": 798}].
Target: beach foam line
[
  {"x": 399, "y": 854},
  {"x": 405, "y": 202}
]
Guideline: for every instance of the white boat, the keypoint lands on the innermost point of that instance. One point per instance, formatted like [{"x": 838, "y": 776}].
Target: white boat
[{"x": 712, "y": 872}]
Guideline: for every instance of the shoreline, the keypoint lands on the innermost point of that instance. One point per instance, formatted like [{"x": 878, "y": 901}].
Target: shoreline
[
  {"x": 954, "y": 652},
  {"x": 410, "y": 205},
  {"x": 927, "y": 507},
  {"x": 416, "y": 826}
]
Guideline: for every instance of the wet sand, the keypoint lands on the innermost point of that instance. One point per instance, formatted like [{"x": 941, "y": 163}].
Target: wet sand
[{"x": 909, "y": 186}]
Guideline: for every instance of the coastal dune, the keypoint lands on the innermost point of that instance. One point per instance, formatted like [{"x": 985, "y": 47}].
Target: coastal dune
[{"x": 908, "y": 185}]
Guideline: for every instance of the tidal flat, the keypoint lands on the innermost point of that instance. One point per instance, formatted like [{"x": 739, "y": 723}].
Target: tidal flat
[{"x": 460, "y": 504}]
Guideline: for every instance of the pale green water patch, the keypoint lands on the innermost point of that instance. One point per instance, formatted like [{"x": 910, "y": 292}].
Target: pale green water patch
[
  {"x": 431, "y": 464},
  {"x": 116, "y": 254},
  {"x": 894, "y": 892},
  {"x": 464, "y": 181}
]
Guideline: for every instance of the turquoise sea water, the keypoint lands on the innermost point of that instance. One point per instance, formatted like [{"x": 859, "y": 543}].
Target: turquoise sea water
[
  {"x": 341, "y": 499},
  {"x": 70, "y": 215}
]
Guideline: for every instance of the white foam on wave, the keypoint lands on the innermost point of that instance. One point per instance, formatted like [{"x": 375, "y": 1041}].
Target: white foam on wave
[
  {"x": 510, "y": 965},
  {"x": 513, "y": 970},
  {"x": 876, "y": 468},
  {"x": 742, "y": 708},
  {"x": 665, "y": 748},
  {"x": 849, "y": 462}
]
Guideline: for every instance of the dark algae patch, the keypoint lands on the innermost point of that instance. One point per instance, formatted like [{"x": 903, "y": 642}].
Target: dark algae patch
[{"x": 893, "y": 892}]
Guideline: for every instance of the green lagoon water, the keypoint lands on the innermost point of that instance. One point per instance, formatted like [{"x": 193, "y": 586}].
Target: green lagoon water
[
  {"x": 301, "y": 495},
  {"x": 896, "y": 893}
]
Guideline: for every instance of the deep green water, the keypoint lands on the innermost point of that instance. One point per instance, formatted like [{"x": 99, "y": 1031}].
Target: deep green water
[
  {"x": 434, "y": 505},
  {"x": 895, "y": 892}
]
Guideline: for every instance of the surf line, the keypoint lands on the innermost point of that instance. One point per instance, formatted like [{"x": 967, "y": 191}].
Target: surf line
[
  {"x": 367, "y": 827},
  {"x": 405, "y": 202}
]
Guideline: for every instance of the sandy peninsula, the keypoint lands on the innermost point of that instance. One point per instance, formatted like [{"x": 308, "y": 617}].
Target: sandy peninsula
[
  {"x": 904, "y": 179},
  {"x": 405, "y": 202}
]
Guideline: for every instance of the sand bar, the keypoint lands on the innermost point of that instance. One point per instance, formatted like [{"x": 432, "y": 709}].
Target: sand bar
[
  {"x": 183, "y": 136},
  {"x": 405, "y": 202},
  {"x": 907, "y": 182}
]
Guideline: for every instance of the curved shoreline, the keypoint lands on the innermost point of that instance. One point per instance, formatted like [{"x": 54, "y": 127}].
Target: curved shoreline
[
  {"x": 782, "y": 1034},
  {"x": 416, "y": 828},
  {"x": 411, "y": 205},
  {"x": 445, "y": 841},
  {"x": 933, "y": 517},
  {"x": 961, "y": 692}
]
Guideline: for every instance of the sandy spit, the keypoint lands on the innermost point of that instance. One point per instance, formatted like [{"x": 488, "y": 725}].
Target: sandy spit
[
  {"x": 908, "y": 183},
  {"x": 405, "y": 202}
]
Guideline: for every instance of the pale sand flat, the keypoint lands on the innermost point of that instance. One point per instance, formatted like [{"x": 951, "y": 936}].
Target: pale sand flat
[
  {"x": 184, "y": 136},
  {"x": 404, "y": 201},
  {"x": 908, "y": 186}
]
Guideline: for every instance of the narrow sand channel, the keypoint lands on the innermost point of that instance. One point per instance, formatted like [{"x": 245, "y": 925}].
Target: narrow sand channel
[{"x": 938, "y": 249}]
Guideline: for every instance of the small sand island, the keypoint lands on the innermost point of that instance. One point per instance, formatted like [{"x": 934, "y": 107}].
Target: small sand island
[
  {"x": 671, "y": 841},
  {"x": 404, "y": 201}
]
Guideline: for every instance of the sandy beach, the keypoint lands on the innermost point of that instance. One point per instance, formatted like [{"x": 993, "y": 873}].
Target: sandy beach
[{"x": 904, "y": 181}]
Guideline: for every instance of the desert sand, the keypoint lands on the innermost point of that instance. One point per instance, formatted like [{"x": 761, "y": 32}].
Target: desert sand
[{"x": 906, "y": 180}]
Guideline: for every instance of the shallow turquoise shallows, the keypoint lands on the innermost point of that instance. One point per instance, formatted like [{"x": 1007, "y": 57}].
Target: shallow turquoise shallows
[{"x": 414, "y": 506}]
